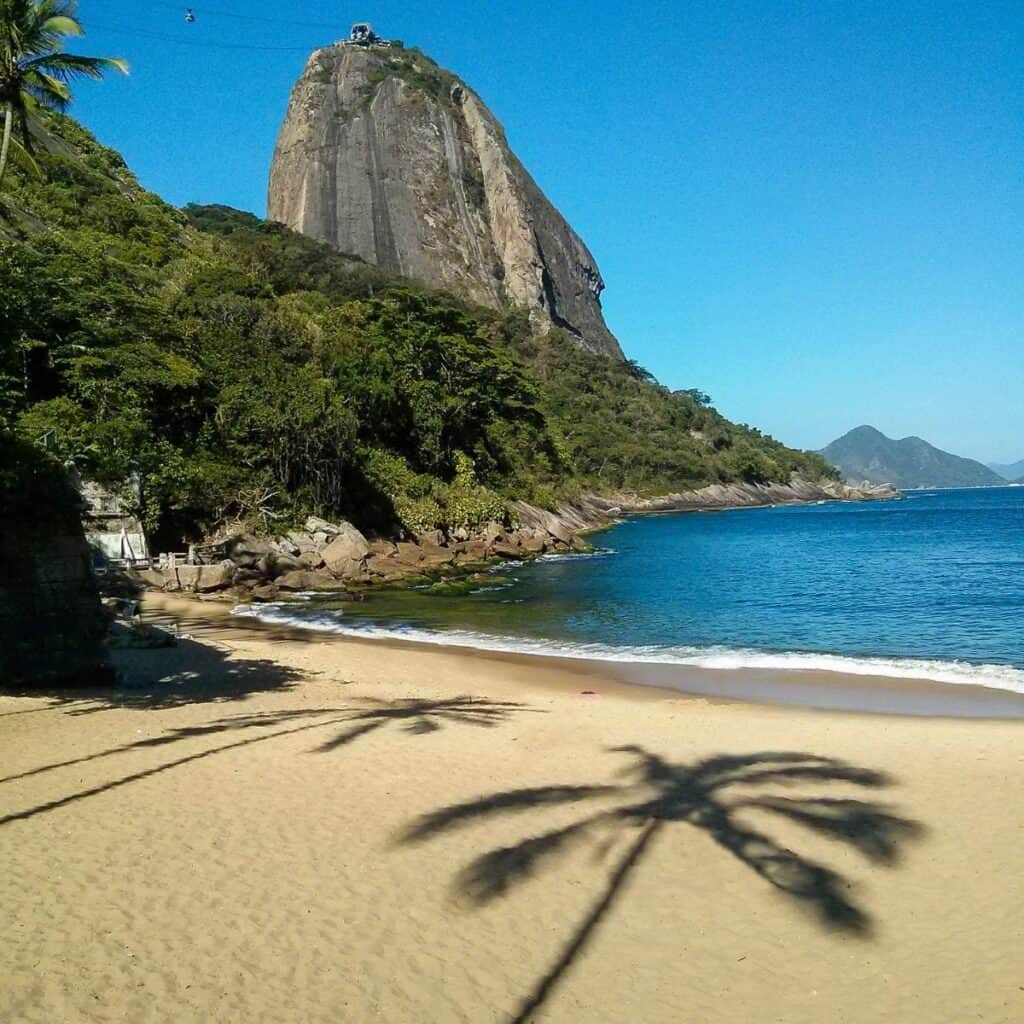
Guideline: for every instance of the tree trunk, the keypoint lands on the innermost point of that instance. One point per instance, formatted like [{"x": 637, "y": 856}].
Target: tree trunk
[{"x": 5, "y": 148}]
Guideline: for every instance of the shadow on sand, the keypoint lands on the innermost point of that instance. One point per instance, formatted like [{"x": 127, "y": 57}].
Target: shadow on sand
[
  {"x": 185, "y": 673},
  {"x": 416, "y": 716},
  {"x": 710, "y": 795}
]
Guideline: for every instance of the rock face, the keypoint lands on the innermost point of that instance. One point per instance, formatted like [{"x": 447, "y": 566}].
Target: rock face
[{"x": 386, "y": 156}]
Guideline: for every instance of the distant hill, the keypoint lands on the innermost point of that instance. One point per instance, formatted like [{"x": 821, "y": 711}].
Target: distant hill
[
  {"x": 1012, "y": 471},
  {"x": 867, "y": 454}
]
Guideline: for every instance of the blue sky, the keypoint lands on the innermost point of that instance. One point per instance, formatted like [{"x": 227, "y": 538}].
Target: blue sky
[{"x": 813, "y": 211}]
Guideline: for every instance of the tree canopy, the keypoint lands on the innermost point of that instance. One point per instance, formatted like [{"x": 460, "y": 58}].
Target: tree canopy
[{"x": 242, "y": 370}]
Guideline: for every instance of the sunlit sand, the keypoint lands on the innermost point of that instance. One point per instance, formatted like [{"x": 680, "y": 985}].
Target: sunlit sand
[{"x": 259, "y": 827}]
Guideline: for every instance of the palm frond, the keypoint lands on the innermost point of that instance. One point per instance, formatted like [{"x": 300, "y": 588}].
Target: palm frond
[
  {"x": 21, "y": 157},
  {"x": 71, "y": 65},
  {"x": 61, "y": 25}
]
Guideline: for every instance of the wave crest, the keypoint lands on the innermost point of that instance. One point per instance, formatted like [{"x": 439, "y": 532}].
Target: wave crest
[{"x": 998, "y": 677}]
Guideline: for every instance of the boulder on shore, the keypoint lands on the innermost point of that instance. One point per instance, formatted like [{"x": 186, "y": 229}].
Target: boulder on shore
[
  {"x": 201, "y": 579},
  {"x": 345, "y": 555},
  {"x": 299, "y": 579}
]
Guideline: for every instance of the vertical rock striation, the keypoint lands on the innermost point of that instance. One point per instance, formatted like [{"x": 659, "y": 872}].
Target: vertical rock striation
[{"x": 386, "y": 156}]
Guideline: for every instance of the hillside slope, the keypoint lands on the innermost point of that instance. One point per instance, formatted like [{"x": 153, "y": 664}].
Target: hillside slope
[
  {"x": 247, "y": 374},
  {"x": 1011, "y": 471},
  {"x": 865, "y": 453}
]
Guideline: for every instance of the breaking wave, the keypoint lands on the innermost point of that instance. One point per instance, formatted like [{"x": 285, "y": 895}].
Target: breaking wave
[{"x": 998, "y": 677}]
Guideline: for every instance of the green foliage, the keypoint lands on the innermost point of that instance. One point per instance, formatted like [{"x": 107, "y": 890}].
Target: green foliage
[
  {"x": 246, "y": 373},
  {"x": 621, "y": 430},
  {"x": 422, "y": 502},
  {"x": 36, "y": 72}
]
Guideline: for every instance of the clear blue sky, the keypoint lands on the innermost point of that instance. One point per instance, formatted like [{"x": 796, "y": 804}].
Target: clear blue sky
[{"x": 812, "y": 210}]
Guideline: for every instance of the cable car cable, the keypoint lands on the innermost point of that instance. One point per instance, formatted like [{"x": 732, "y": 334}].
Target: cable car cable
[
  {"x": 220, "y": 12},
  {"x": 175, "y": 40}
]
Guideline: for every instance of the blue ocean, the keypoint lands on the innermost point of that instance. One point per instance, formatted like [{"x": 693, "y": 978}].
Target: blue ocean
[{"x": 927, "y": 587}]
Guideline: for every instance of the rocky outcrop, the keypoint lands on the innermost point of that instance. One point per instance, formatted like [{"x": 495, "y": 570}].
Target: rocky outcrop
[
  {"x": 337, "y": 557},
  {"x": 593, "y": 512},
  {"x": 386, "y": 156}
]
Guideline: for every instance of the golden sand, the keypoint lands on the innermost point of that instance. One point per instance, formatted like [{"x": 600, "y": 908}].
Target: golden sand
[{"x": 261, "y": 827}]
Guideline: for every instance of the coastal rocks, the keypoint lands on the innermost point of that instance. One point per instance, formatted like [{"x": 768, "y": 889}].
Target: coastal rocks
[
  {"x": 751, "y": 495},
  {"x": 201, "y": 579},
  {"x": 345, "y": 556},
  {"x": 300, "y": 580},
  {"x": 337, "y": 556}
]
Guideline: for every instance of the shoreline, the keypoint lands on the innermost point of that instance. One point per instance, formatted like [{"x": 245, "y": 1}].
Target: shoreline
[
  {"x": 803, "y": 688},
  {"x": 263, "y": 824},
  {"x": 338, "y": 556}
]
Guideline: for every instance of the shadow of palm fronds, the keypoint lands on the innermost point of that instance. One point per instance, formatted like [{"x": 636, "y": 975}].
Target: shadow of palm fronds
[
  {"x": 711, "y": 795},
  {"x": 421, "y": 716}
]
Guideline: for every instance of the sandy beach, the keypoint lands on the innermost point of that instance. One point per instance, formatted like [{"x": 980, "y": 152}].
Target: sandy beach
[{"x": 260, "y": 825}]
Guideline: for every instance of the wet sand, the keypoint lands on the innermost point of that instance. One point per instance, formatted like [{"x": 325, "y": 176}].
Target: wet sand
[{"x": 262, "y": 825}]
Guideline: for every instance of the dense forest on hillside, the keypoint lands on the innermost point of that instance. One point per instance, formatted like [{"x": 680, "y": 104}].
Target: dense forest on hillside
[{"x": 245, "y": 373}]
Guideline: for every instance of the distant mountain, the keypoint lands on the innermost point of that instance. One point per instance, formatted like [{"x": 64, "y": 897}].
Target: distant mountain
[
  {"x": 867, "y": 454},
  {"x": 1013, "y": 471}
]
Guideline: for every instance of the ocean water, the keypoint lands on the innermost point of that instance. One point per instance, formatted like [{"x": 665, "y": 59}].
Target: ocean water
[{"x": 930, "y": 587}]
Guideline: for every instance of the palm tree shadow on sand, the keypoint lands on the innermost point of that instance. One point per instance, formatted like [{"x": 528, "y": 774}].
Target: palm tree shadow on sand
[
  {"x": 417, "y": 716},
  {"x": 709, "y": 795}
]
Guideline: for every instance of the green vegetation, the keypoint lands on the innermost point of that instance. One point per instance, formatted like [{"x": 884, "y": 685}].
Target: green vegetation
[
  {"x": 35, "y": 71},
  {"x": 416, "y": 69},
  {"x": 245, "y": 372}
]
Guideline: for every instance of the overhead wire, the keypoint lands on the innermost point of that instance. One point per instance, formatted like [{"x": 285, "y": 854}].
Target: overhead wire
[
  {"x": 177, "y": 41},
  {"x": 220, "y": 12}
]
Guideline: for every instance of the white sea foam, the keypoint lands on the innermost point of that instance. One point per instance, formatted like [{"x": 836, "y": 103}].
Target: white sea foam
[
  {"x": 572, "y": 556},
  {"x": 999, "y": 677}
]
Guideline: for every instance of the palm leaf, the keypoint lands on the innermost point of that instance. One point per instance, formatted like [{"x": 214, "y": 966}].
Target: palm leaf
[
  {"x": 61, "y": 25},
  {"x": 72, "y": 65},
  {"x": 22, "y": 158}
]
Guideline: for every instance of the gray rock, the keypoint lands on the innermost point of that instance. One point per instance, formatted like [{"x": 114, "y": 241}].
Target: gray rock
[
  {"x": 492, "y": 532},
  {"x": 301, "y": 580},
  {"x": 386, "y": 569},
  {"x": 247, "y": 551},
  {"x": 201, "y": 578},
  {"x": 316, "y": 525},
  {"x": 276, "y": 564},
  {"x": 431, "y": 537},
  {"x": 348, "y": 546},
  {"x": 388, "y": 157}
]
